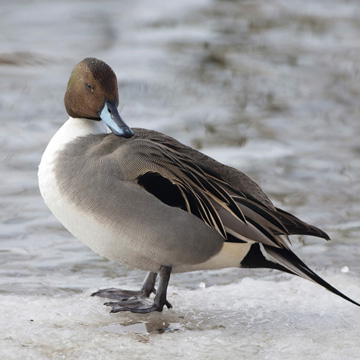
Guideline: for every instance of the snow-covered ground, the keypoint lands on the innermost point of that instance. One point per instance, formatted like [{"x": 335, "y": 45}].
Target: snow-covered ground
[{"x": 250, "y": 319}]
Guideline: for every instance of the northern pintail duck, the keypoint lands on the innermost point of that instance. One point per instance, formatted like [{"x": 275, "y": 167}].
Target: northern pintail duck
[{"x": 145, "y": 200}]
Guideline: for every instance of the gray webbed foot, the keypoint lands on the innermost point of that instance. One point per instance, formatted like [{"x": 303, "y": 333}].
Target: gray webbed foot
[
  {"x": 118, "y": 294},
  {"x": 147, "y": 288},
  {"x": 137, "y": 301},
  {"x": 137, "y": 305}
]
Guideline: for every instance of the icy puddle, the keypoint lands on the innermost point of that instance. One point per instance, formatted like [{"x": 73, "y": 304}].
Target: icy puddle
[{"x": 142, "y": 327}]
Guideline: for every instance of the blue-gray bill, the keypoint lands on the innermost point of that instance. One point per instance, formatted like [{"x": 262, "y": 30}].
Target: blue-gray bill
[{"x": 111, "y": 117}]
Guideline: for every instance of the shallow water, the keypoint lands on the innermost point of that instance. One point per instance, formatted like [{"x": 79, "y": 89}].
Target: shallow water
[{"x": 269, "y": 88}]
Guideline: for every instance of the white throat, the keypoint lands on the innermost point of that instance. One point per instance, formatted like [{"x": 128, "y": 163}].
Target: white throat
[{"x": 73, "y": 128}]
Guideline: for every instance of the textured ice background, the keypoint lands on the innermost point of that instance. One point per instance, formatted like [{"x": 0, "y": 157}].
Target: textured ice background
[{"x": 271, "y": 88}]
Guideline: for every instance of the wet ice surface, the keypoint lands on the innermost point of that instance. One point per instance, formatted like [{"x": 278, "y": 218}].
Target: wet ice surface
[
  {"x": 256, "y": 319},
  {"x": 272, "y": 89}
]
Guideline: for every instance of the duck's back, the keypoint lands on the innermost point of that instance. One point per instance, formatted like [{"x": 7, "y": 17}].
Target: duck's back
[{"x": 237, "y": 179}]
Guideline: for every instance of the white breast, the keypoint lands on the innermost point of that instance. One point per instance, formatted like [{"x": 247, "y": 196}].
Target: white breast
[
  {"x": 72, "y": 129},
  {"x": 78, "y": 223}
]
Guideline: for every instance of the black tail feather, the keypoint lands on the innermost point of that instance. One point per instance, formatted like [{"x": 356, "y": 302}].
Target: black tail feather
[
  {"x": 255, "y": 259},
  {"x": 293, "y": 264}
]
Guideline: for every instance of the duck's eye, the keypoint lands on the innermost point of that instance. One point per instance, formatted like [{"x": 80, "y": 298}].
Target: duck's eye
[{"x": 89, "y": 87}]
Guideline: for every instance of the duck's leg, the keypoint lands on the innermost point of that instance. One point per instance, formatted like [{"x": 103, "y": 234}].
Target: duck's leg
[
  {"x": 147, "y": 288},
  {"x": 139, "y": 304}
]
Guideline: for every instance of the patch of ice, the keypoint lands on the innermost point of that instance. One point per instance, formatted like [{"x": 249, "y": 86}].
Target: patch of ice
[{"x": 253, "y": 318}]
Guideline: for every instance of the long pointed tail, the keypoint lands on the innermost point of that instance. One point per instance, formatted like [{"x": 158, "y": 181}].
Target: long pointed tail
[{"x": 294, "y": 265}]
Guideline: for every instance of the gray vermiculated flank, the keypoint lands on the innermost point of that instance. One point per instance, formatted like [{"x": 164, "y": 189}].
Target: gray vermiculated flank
[
  {"x": 97, "y": 173},
  {"x": 91, "y": 166}
]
